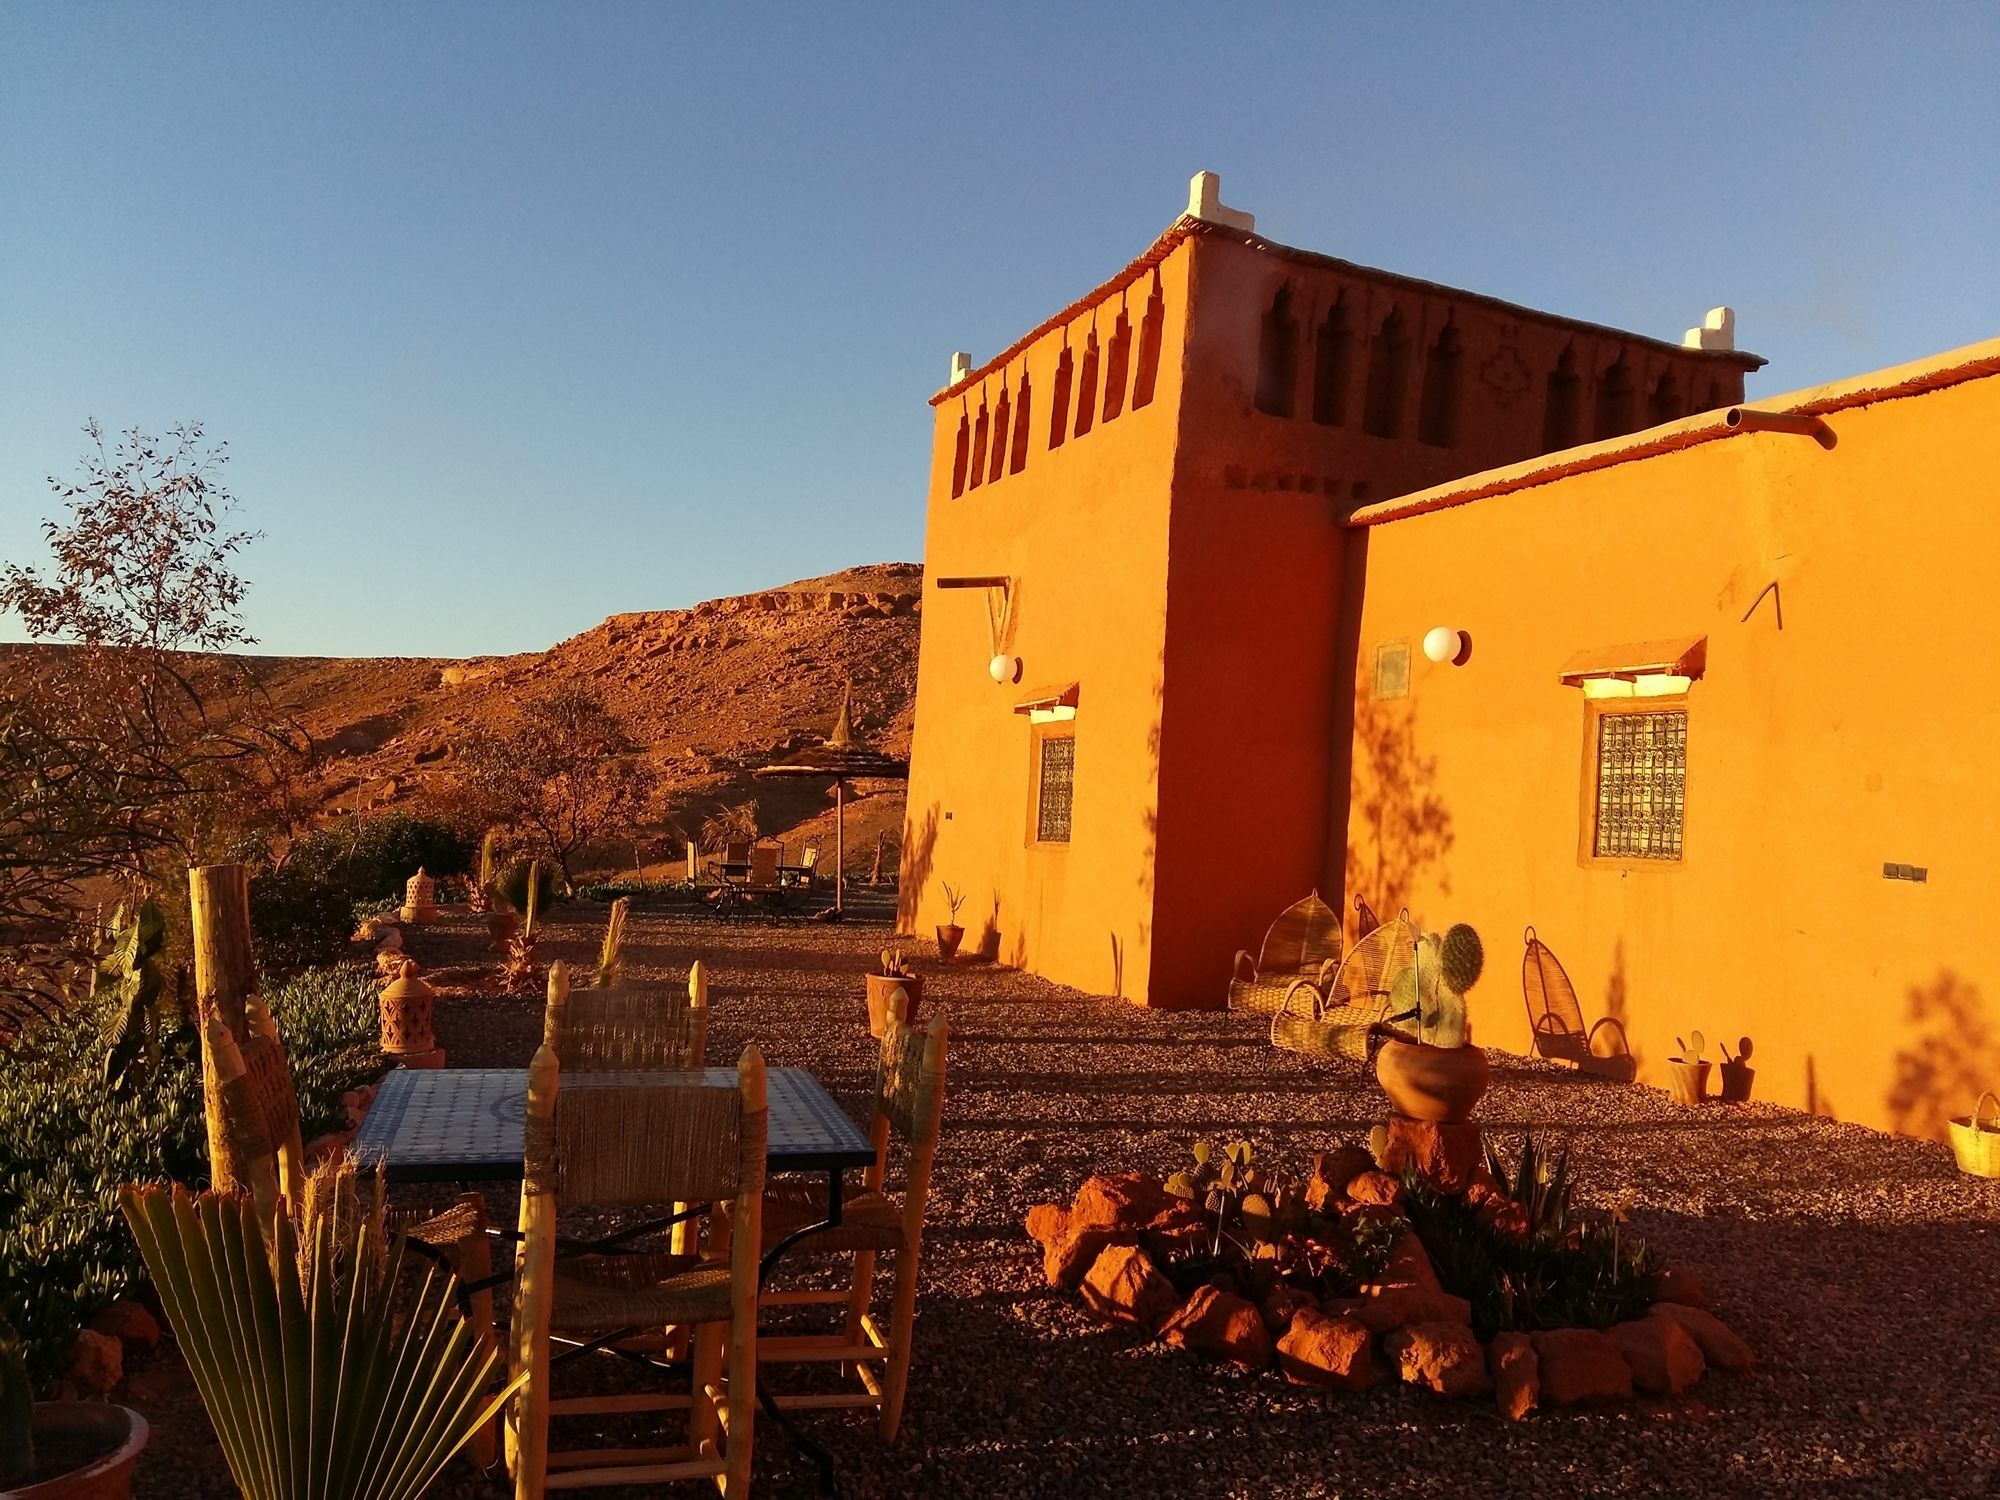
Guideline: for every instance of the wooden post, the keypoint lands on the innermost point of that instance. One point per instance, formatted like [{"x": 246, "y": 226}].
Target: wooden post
[
  {"x": 224, "y": 976},
  {"x": 839, "y": 840}
]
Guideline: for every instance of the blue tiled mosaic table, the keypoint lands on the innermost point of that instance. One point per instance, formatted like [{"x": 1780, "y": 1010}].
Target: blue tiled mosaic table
[{"x": 465, "y": 1124}]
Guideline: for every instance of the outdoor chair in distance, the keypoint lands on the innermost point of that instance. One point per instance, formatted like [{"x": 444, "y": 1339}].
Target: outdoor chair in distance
[
  {"x": 1303, "y": 944},
  {"x": 1555, "y": 1019},
  {"x": 624, "y": 1146},
  {"x": 909, "y": 1105}
]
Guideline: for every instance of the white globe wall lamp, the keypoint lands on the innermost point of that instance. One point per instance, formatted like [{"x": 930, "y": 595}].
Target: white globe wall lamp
[{"x": 1443, "y": 644}]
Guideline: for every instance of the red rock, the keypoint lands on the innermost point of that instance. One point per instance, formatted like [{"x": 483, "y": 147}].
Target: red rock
[
  {"x": 1332, "y": 1172},
  {"x": 1444, "y": 1153},
  {"x": 1673, "y": 1284},
  {"x": 1046, "y": 1223},
  {"x": 1663, "y": 1355},
  {"x": 1220, "y": 1324},
  {"x": 129, "y": 1323},
  {"x": 1066, "y": 1261},
  {"x": 1335, "y": 1352},
  {"x": 1408, "y": 1266},
  {"x": 1376, "y": 1187},
  {"x": 1579, "y": 1365},
  {"x": 1517, "y": 1381},
  {"x": 1283, "y": 1303},
  {"x": 1124, "y": 1286},
  {"x": 1126, "y": 1200},
  {"x": 1400, "y": 1306},
  {"x": 1442, "y": 1357},
  {"x": 95, "y": 1363},
  {"x": 1718, "y": 1345}
]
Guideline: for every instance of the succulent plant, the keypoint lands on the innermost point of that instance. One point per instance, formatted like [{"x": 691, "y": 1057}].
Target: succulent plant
[
  {"x": 894, "y": 965},
  {"x": 1691, "y": 1048},
  {"x": 1427, "y": 1000}
]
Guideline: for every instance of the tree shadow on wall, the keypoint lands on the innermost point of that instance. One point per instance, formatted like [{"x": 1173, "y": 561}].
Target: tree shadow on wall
[
  {"x": 1956, "y": 1055},
  {"x": 919, "y": 854},
  {"x": 1404, "y": 824}
]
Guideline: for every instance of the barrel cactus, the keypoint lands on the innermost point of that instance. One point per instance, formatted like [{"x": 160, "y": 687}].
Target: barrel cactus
[{"x": 1427, "y": 1000}]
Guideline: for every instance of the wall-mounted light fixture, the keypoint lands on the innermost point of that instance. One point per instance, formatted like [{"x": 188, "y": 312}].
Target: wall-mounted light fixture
[
  {"x": 1443, "y": 644},
  {"x": 1004, "y": 669}
]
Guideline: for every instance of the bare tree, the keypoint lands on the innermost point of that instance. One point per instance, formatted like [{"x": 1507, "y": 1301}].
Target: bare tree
[{"x": 562, "y": 773}]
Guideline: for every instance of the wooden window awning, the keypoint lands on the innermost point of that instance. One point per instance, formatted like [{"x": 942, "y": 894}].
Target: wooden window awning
[
  {"x": 1062, "y": 696},
  {"x": 1683, "y": 657}
]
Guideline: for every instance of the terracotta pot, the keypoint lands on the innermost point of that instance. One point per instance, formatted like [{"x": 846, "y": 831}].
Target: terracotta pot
[
  {"x": 949, "y": 936},
  {"x": 502, "y": 925},
  {"x": 1736, "y": 1080},
  {"x": 118, "y": 1433},
  {"x": 1432, "y": 1083},
  {"x": 880, "y": 988},
  {"x": 1690, "y": 1080}
]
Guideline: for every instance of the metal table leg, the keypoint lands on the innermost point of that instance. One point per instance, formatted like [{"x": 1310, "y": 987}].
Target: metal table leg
[{"x": 835, "y": 1202}]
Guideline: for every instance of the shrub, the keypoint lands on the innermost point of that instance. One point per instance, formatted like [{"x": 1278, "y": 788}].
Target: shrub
[
  {"x": 67, "y": 1142},
  {"x": 646, "y": 892},
  {"x": 298, "y": 919},
  {"x": 371, "y": 858}
]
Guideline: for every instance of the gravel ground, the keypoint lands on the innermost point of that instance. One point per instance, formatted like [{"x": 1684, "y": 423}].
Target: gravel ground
[{"x": 1863, "y": 1268}]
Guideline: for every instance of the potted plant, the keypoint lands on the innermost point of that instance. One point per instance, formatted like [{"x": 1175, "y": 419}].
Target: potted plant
[
  {"x": 894, "y": 975},
  {"x": 61, "y": 1450},
  {"x": 1427, "y": 1064},
  {"x": 1737, "y": 1073},
  {"x": 1689, "y": 1072},
  {"x": 950, "y": 934}
]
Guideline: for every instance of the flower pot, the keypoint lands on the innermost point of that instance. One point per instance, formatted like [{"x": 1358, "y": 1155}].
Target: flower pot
[
  {"x": 99, "y": 1443},
  {"x": 1432, "y": 1083},
  {"x": 1690, "y": 1080},
  {"x": 880, "y": 988},
  {"x": 502, "y": 925},
  {"x": 949, "y": 936},
  {"x": 1737, "y": 1077}
]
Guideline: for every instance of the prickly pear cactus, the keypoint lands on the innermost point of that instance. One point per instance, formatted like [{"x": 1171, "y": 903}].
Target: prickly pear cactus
[{"x": 1462, "y": 958}]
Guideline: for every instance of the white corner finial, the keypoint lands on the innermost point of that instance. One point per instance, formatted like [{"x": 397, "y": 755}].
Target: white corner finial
[
  {"x": 961, "y": 366},
  {"x": 1205, "y": 203},
  {"x": 1717, "y": 331}
]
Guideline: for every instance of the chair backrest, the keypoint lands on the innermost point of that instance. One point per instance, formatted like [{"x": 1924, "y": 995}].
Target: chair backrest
[
  {"x": 596, "y": 1030},
  {"x": 1306, "y": 935},
  {"x": 909, "y": 1080},
  {"x": 764, "y": 860},
  {"x": 260, "y": 1103},
  {"x": 809, "y": 861},
  {"x": 1553, "y": 1010},
  {"x": 1365, "y": 920},
  {"x": 1374, "y": 963},
  {"x": 609, "y": 1144},
  {"x": 736, "y": 851}
]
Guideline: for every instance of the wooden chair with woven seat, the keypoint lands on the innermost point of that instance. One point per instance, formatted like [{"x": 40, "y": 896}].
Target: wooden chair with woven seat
[
  {"x": 628, "y": 1027},
  {"x": 614, "y": 1145},
  {"x": 1304, "y": 943},
  {"x": 1555, "y": 1019},
  {"x": 909, "y": 1104}
]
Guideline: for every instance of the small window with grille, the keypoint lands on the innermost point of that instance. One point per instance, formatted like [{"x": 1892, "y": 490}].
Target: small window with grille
[
  {"x": 1055, "y": 788},
  {"x": 1641, "y": 785}
]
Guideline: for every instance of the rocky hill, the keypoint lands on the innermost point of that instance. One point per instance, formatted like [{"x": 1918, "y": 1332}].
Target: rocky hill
[{"x": 710, "y": 693}]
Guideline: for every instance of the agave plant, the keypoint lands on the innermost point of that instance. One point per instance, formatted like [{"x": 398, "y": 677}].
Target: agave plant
[{"x": 318, "y": 1382}]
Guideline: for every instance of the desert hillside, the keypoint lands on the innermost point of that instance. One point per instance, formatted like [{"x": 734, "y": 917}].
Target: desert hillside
[{"x": 710, "y": 693}]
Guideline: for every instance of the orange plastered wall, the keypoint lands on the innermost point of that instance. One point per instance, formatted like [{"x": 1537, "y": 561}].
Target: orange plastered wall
[
  {"x": 1864, "y": 731},
  {"x": 1082, "y": 531}
]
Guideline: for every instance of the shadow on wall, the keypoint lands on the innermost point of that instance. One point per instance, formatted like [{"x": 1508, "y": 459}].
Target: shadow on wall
[
  {"x": 919, "y": 856},
  {"x": 1617, "y": 1002},
  {"x": 1403, "y": 824},
  {"x": 1955, "y": 1055}
]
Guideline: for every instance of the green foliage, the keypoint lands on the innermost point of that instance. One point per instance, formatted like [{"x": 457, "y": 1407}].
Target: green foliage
[
  {"x": 644, "y": 892},
  {"x": 66, "y": 1142},
  {"x": 371, "y": 858},
  {"x": 515, "y": 882},
  {"x": 1567, "y": 1268},
  {"x": 298, "y": 918},
  {"x": 17, "y": 1411},
  {"x": 130, "y": 985},
  {"x": 1427, "y": 1000}
]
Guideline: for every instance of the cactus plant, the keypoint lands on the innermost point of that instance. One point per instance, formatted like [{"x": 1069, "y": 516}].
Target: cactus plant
[
  {"x": 1427, "y": 1000},
  {"x": 17, "y": 1412},
  {"x": 894, "y": 965}
]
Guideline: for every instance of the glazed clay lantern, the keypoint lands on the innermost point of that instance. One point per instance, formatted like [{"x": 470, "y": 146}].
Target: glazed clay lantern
[
  {"x": 420, "y": 899},
  {"x": 405, "y": 1006}
]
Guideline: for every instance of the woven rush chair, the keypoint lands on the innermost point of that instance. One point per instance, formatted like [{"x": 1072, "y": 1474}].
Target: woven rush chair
[
  {"x": 1341, "y": 1020},
  {"x": 1555, "y": 1018},
  {"x": 596, "y": 1030},
  {"x": 909, "y": 1105},
  {"x": 260, "y": 1113},
  {"x": 619, "y": 1146},
  {"x": 1365, "y": 920},
  {"x": 1304, "y": 943}
]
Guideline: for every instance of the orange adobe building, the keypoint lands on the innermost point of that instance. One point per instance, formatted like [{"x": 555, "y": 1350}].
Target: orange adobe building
[{"x": 1189, "y": 537}]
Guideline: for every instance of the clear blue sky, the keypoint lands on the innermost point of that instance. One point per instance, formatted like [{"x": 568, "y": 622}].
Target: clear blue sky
[{"x": 514, "y": 317}]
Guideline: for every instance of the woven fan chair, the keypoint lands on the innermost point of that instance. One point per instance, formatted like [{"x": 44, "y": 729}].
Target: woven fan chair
[
  {"x": 1365, "y": 920},
  {"x": 260, "y": 1113},
  {"x": 909, "y": 1104},
  {"x": 1341, "y": 1021},
  {"x": 1555, "y": 1019},
  {"x": 611, "y": 1146},
  {"x": 1304, "y": 943}
]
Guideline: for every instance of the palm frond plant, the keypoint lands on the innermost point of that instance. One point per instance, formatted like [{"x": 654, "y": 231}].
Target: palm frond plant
[
  {"x": 319, "y": 1379},
  {"x": 614, "y": 939},
  {"x": 131, "y": 982}
]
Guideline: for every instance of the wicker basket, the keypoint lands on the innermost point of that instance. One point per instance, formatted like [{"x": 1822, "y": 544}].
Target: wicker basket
[{"x": 1975, "y": 1138}]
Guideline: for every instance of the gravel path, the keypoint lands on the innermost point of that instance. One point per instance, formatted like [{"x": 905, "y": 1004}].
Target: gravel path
[{"x": 1864, "y": 1269}]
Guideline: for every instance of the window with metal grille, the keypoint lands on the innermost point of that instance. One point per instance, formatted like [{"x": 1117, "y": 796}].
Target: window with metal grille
[
  {"x": 1057, "y": 784},
  {"x": 1641, "y": 785}
]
